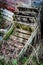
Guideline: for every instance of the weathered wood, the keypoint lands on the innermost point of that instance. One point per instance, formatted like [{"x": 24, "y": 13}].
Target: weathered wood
[{"x": 27, "y": 43}]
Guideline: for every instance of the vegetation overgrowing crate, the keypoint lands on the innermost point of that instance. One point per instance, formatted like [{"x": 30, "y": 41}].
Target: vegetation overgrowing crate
[{"x": 20, "y": 34}]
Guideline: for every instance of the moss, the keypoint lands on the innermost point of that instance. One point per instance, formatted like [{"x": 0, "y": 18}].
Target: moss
[{"x": 24, "y": 27}]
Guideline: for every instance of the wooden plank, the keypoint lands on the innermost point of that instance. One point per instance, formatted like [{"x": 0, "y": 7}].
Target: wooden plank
[
  {"x": 32, "y": 25},
  {"x": 28, "y": 9},
  {"x": 12, "y": 37},
  {"x": 23, "y": 31}
]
